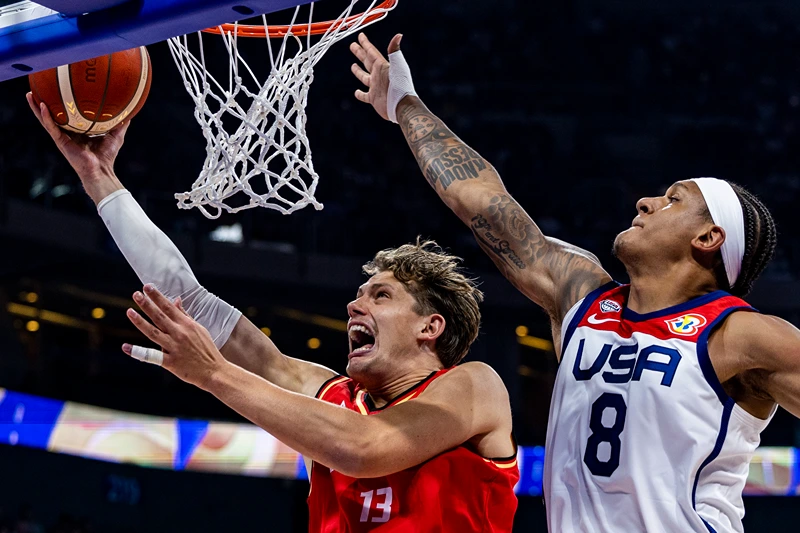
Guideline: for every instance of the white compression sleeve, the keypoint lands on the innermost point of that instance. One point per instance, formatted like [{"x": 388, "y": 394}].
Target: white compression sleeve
[
  {"x": 156, "y": 259},
  {"x": 400, "y": 83}
]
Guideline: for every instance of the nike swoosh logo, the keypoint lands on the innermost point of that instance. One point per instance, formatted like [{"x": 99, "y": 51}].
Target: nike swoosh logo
[{"x": 593, "y": 320}]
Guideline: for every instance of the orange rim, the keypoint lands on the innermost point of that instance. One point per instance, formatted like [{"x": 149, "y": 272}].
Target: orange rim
[{"x": 302, "y": 30}]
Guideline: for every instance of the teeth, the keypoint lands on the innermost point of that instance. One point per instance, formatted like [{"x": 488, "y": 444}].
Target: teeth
[
  {"x": 364, "y": 348},
  {"x": 359, "y": 327}
]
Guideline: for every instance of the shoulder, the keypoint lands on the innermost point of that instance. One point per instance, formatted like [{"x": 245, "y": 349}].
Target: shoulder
[
  {"x": 472, "y": 380},
  {"x": 760, "y": 341}
]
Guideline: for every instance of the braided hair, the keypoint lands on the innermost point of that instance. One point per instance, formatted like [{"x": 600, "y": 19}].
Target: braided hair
[{"x": 760, "y": 240}]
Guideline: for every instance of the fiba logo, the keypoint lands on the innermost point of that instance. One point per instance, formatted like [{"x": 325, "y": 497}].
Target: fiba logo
[
  {"x": 686, "y": 325},
  {"x": 610, "y": 306}
]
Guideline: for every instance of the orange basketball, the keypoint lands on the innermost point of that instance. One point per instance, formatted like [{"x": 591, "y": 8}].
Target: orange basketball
[{"x": 95, "y": 95}]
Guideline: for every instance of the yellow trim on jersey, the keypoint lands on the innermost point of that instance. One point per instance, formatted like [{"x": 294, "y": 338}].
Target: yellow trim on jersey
[
  {"x": 511, "y": 464},
  {"x": 331, "y": 384},
  {"x": 360, "y": 402},
  {"x": 409, "y": 397}
]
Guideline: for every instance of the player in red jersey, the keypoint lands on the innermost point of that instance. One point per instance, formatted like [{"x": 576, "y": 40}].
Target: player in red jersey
[{"x": 426, "y": 459}]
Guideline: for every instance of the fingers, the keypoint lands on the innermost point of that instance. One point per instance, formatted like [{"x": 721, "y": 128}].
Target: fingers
[
  {"x": 394, "y": 45},
  {"x": 34, "y": 107},
  {"x": 120, "y": 131},
  {"x": 179, "y": 305},
  {"x": 146, "y": 355},
  {"x": 360, "y": 73},
  {"x": 359, "y": 52},
  {"x": 368, "y": 47},
  {"x": 156, "y": 314},
  {"x": 362, "y": 96},
  {"x": 162, "y": 303},
  {"x": 147, "y": 329}
]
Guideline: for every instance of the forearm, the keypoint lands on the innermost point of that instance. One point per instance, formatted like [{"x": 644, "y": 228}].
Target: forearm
[
  {"x": 319, "y": 430},
  {"x": 458, "y": 174},
  {"x": 156, "y": 260}
]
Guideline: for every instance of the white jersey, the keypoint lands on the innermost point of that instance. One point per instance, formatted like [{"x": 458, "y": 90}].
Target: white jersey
[{"x": 642, "y": 436}]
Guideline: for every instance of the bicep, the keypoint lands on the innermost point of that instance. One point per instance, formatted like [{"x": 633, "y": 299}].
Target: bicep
[
  {"x": 249, "y": 348},
  {"x": 552, "y": 273},
  {"x": 777, "y": 351}
]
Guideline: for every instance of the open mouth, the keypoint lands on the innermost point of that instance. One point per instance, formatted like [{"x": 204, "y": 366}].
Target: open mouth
[{"x": 362, "y": 339}]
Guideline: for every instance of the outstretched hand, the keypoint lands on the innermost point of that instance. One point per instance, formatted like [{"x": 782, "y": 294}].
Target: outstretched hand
[
  {"x": 375, "y": 72},
  {"x": 187, "y": 348},
  {"x": 90, "y": 156}
]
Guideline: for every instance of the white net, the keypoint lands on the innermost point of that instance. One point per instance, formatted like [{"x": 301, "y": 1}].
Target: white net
[{"x": 257, "y": 151}]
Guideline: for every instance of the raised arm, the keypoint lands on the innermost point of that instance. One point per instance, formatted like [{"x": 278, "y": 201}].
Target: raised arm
[
  {"x": 356, "y": 445},
  {"x": 552, "y": 273},
  {"x": 156, "y": 260}
]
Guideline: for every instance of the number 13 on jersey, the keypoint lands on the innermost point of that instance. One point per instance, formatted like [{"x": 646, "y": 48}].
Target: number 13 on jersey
[{"x": 377, "y": 505}]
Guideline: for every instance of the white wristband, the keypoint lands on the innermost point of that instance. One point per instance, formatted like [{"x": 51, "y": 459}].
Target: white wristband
[{"x": 400, "y": 83}]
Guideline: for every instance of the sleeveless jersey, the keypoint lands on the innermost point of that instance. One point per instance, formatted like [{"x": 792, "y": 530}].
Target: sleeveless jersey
[
  {"x": 642, "y": 436},
  {"x": 457, "y": 491}
]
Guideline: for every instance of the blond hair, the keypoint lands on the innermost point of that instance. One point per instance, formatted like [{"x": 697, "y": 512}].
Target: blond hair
[{"x": 436, "y": 282}]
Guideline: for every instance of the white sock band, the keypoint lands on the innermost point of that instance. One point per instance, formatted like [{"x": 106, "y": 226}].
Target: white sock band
[
  {"x": 156, "y": 260},
  {"x": 400, "y": 83},
  {"x": 726, "y": 212},
  {"x": 147, "y": 355}
]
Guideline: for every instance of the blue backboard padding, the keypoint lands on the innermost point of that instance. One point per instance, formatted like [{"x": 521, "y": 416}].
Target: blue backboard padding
[
  {"x": 56, "y": 40},
  {"x": 190, "y": 433},
  {"x": 79, "y": 7},
  {"x": 27, "y": 420}
]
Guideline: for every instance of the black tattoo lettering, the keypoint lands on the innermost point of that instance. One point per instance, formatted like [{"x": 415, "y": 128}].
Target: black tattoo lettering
[{"x": 482, "y": 230}]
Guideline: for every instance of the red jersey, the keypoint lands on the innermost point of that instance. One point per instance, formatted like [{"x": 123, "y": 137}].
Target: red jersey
[{"x": 457, "y": 491}]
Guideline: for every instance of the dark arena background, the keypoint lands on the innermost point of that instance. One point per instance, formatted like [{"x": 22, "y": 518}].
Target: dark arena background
[{"x": 583, "y": 106}]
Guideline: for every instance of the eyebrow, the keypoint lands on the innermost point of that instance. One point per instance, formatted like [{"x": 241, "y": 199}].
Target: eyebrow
[
  {"x": 371, "y": 287},
  {"x": 681, "y": 185}
]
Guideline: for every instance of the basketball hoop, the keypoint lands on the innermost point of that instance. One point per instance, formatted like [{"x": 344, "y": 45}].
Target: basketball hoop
[{"x": 268, "y": 147}]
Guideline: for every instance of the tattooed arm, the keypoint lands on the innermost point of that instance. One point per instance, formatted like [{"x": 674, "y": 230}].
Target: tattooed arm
[{"x": 550, "y": 272}]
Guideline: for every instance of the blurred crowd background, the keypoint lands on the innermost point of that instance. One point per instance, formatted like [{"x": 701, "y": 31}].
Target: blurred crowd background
[{"x": 583, "y": 107}]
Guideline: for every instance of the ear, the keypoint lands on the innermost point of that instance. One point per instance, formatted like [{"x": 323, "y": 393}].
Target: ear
[
  {"x": 710, "y": 240},
  {"x": 432, "y": 327}
]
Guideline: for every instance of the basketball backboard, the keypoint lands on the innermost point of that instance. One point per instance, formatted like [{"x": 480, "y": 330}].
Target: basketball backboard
[{"x": 38, "y": 36}]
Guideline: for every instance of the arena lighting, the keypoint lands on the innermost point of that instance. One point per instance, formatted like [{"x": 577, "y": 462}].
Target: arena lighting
[
  {"x": 266, "y": 331},
  {"x": 318, "y": 320},
  {"x": 31, "y": 297},
  {"x": 98, "y": 313},
  {"x": 521, "y": 331},
  {"x": 32, "y": 326},
  {"x": 536, "y": 343},
  {"x": 313, "y": 343}
]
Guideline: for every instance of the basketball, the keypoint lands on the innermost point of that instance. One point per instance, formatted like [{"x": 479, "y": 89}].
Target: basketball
[{"x": 95, "y": 95}]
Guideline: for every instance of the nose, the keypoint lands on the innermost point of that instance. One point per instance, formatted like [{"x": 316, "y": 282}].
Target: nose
[
  {"x": 646, "y": 206},
  {"x": 355, "y": 309}
]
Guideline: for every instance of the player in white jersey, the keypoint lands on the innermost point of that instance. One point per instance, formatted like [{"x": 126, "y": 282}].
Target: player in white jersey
[{"x": 666, "y": 383}]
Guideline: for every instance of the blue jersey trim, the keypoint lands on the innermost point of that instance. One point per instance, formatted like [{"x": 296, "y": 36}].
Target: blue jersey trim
[
  {"x": 588, "y": 300},
  {"x": 702, "y": 352},
  {"x": 723, "y": 431},
  {"x": 633, "y": 316}
]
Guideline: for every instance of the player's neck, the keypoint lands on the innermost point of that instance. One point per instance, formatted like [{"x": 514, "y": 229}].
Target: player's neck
[
  {"x": 660, "y": 288},
  {"x": 382, "y": 394}
]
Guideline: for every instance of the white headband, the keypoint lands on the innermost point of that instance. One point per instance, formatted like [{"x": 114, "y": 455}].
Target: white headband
[{"x": 726, "y": 212}]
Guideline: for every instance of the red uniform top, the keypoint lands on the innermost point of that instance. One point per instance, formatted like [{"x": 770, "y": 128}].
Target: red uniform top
[{"x": 457, "y": 491}]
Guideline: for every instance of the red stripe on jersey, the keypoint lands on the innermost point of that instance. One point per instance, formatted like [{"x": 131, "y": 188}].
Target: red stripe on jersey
[
  {"x": 685, "y": 321},
  {"x": 457, "y": 491}
]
